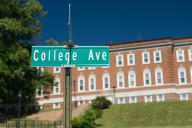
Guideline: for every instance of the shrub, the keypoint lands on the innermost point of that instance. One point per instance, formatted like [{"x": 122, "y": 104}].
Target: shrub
[
  {"x": 98, "y": 113},
  {"x": 88, "y": 119},
  {"x": 76, "y": 122},
  {"x": 101, "y": 103}
]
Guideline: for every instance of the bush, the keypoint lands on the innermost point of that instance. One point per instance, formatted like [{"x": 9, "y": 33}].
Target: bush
[
  {"x": 88, "y": 119},
  {"x": 98, "y": 113},
  {"x": 76, "y": 122},
  {"x": 101, "y": 103}
]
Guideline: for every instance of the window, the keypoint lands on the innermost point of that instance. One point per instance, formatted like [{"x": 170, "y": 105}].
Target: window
[
  {"x": 132, "y": 100},
  {"x": 190, "y": 54},
  {"x": 57, "y": 88},
  {"x": 38, "y": 107},
  {"x": 148, "y": 98},
  {"x": 120, "y": 79},
  {"x": 81, "y": 68},
  {"x": 130, "y": 59},
  {"x": 90, "y": 101},
  {"x": 146, "y": 58},
  {"x": 57, "y": 69},
  {"x": 147, "y": 79},
  {"x": 92, "y": 81},
  {"x": 106, "y": 81},
  {"x": 39, "y": 92},
  {"x": 28, "y": 108},
  {"x": 119, "y": 60},
  {"x": 182, "y": 77},
  {"x": 56, "y": 105},
  {"x": 157, "y": 56},
  {"x": 160, "y": 97},
  {"x": 131, "y": 78},
  {"x": 39, "y": 69},
  {"x": 81, "y": 83},
  {"x": 158, "y": 76},
  {"x": 90, "y": 68},
  {"x": 180, "y": 56},
  {"x": 121, "y": 100},
  {"x": 81, "y": 102},
  {"x": 184, "y": 96}
]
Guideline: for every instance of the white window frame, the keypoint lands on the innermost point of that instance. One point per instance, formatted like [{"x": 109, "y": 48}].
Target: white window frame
[
  {"x": 104, "y": 82},
  {"x": 123, "y": 100},
  {"x": 79, "y": 102},
  {"x": 128, "y": 60},
  {"x": 41, "y": 92},
  {"x": 90, "y": 83},
  {"x": 36, "y": 107},
  {"x": 91, "y": 68},
  {"x": 154, "y": 54},
  {"x": 150, "y": 98},
  {"x": 182, "y": 56},
  {"x": 184, "y": 77},
  {"x": 145, "y": 79},
  {"x": 130, "y": 80},
  {"x": 118, "y": 81},
  {"x": 57, "y": 71},
  {"x": 91, "y": 101},
  {"x": 162, "y": 97},
  {"x": 78, "y": 69},
  {"x": 143, "y": 59},
  {"x": 79, "y": 85},
  {"x": 190, "y": 59},
  {"x": 38, "y": 69},
  {"x": 54, "y": 105},
  {"x": 57, "y": 87},
  {"x": 182, "y": 97},
  {"x": 156, "y": 80},
  {"x": 117, "y": 62},
  {"x": 131, "y": 101}
]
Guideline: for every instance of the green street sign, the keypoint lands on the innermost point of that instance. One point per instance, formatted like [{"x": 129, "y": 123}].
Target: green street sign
[{"x": 55, "y": 56}]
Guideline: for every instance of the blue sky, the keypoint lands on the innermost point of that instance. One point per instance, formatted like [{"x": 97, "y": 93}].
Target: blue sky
[{"x": 96, "y": 22}]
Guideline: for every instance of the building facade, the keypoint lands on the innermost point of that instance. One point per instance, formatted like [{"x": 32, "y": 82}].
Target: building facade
[{"x": 140, "y": 71}]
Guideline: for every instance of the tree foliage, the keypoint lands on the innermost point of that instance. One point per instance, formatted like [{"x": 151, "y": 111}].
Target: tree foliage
[
  {"x": 19, "y": 25},
  {"x": 52, "y": 42}
]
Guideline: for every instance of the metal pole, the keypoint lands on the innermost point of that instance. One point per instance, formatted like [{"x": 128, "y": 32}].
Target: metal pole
[
  {"x": 75, "y": 96},
  {"x": 19, "y": 113},
  {"x": 70, "y": 97},
  {"x": 64, "y": 71}
]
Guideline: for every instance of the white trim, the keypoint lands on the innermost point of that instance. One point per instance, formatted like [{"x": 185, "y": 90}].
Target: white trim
[
  {"x": 185, "y": 78},
  {"x": 182, "y": 56},
  {"x": 106, "y": 67},
  {"x": 181, "y": 98},
  {"x": 117, "y": 61},
  {"x": 57, "y": 71},
  {"x": 121, "y": 102},
  {"x": 118, "y": 80},
  {"x": 154, "y": 54},
  {"x": 83, "y": 84},
  {"x": 128, "y": 60},
  {"x": 92, "y": 76},
  {"x": 104, "y": 82},
  {"x": 130, "y": 101},
  {"x": 41, "y": 69},
  {"x": 190, "y": 59},
  {"x": 41, "y": 92},
  {"x": 181, "y": 43},
  {"x": 129, "y": 80},
  {"x": 82, "y": 103},
  {"x": 156, "y": 80},
  {"x": 78, "y": 69},
  {"x": 91, "y": 68},
  {"x": 163, "y": 99},
  {"x": 145, "y": 79},
  {"x": 54, "y": 105},
  {"x": 143, "y": 59},
  {"x": 150, "y": 98}
]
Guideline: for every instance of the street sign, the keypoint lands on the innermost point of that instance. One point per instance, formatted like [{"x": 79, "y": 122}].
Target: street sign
[{"x": 55, "y": 56}]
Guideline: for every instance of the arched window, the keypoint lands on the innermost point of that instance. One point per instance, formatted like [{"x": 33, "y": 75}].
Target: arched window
[
  {"x": 147, "y": 77},
  {"x": 81, "y": 83},
  {"x": 182, "y": 75},
  {"x": 57, "y": 88},
  {"x": 92, "y": 82},
  {"x": 106, "y": 81},
  {"x": 158, "y": 76},
  {"x": 120, "y": 79},
  {"x": 132, "y": 78}
]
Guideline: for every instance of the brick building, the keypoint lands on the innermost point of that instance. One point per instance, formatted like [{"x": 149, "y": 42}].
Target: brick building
[{"x": 141, "y": 71}]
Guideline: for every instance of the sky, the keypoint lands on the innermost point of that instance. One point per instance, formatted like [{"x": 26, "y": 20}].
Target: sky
[{"x": 97, "y": 22}]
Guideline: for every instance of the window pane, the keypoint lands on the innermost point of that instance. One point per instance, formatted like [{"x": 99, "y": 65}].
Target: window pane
[
  {"x": 132, "y": 80},
  {"x": 81, "y": 102},
  {"x": 119, "y": 60},
  {"x": 132, "y": 99},
  {"x": 56, "y": 105},
  {"x": 120, "y": 84},
  {"x": 158, "y": 77},
  {"x": 57, "y": 90},
  {"x": 131, "y": 61},
  {"x": 148, "y": 98},
  {"x": 146, "y": 76},
  {"x": 182, "y": 77},
  {"x": 92, "y": 83},
  {"x": 130, "y": 57},
  {"x": 160, "y": 97},
  {"x": 57, "y": 69},
  {"x": 92, "y": 86},
  {"x": 184, "y": 96},
  {"x": 81, "y": 82},
  {"x": 120, "y": 78},
  {"x": 180, "y": 55},
  {"x": 106, "y": 82},
  {"x": 81, "y": 87},
  {"x": 145, "y": 57},
  {"x": 121, "y": 100}
]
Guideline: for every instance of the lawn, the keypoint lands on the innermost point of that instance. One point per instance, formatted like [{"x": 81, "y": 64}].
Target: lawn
[{"x": 173, "y": 114}]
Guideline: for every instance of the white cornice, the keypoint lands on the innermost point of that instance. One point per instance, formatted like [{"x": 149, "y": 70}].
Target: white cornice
[{"x": 181, "y": 43}]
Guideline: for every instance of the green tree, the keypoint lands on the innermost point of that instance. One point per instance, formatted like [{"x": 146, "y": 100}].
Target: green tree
[
  {"x": 18, "y": 28},
  {"x": 52, "y": 42}
]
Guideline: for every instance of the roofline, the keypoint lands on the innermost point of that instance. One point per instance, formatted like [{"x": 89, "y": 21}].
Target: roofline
[{"x": 184, "y": 37}]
